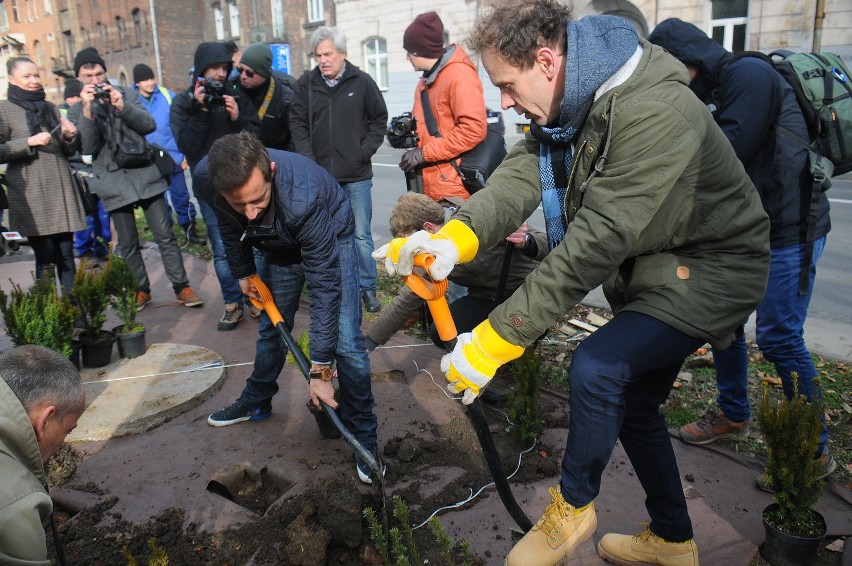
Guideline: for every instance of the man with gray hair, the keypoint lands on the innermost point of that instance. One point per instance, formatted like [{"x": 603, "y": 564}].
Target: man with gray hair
[
  {"x": 345, "y": 144},
  {"x": 41, "y": 398}
]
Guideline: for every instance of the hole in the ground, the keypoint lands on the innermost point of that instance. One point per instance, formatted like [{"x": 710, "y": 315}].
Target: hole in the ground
[
  {"x": 393, "y": 376},
  {"x": 249, "y": 487}
]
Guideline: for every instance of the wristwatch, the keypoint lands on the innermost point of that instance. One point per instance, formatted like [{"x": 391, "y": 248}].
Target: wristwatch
[{"x": 324, "y": 373}]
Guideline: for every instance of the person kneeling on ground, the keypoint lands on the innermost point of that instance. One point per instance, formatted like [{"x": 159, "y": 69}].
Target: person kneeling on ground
[{"x": 41, "y": 399}]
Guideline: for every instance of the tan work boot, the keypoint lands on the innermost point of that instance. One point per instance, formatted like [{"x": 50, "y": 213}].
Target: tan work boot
[
  {"x": 711, "y": 427},
  {"x": 647, "y": 549},
  {"x": 553, "y": 539}
]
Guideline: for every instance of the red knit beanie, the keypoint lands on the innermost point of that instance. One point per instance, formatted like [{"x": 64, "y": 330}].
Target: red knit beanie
[{"x": 425, "y": 36}]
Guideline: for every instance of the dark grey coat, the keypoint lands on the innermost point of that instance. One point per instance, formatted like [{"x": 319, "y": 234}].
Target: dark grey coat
[
  {"x": 118, "y": 187},
  {"x": 43, "y": 199}
]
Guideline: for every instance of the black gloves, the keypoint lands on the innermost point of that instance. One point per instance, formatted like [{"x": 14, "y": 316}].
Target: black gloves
[{"x": 411, "y": 159}]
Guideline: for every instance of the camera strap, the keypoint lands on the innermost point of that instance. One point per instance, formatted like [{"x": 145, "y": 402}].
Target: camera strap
[
  {"x": 267, "y": 99},
  {"x": 432, "y": 125}
]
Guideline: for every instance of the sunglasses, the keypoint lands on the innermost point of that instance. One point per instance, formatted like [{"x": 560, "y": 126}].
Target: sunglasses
[{"x": 243, "y": 70}]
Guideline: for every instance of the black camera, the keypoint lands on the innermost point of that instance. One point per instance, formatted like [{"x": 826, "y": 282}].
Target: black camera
[
  {"x": 402, "y": 132},
  {"x": 101, "y": 93},
  {"x": 214, "y": 93}
]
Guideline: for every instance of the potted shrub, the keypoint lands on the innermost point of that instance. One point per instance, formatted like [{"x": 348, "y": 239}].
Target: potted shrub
[
  {"x": 791, "y": 428},
  {"x": 122, "y": 287},
  {"x": 39, "y": 315},
  {"x": 90, "y": 295}
]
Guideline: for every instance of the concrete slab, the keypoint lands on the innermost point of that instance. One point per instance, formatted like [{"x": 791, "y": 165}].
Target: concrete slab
[{"x": 136, "y": 395}]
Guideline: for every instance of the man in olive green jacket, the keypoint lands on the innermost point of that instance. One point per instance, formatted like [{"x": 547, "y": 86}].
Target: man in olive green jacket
[
  {"x": 642, "y": 193},
  {"x": 41, "y": 398}
]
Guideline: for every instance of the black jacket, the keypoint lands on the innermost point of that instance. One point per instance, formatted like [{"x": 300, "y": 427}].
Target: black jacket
[
  {"x": 341, "y": 127},
  {"x": 274, "y": 126},
  {"x": 757, "y": 111},
  {"x": 194, "y": 129},
  {"x": 311, "y": 213}
]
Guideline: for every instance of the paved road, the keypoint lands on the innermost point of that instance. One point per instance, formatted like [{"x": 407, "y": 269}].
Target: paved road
[{"x": 830, "y": 312}]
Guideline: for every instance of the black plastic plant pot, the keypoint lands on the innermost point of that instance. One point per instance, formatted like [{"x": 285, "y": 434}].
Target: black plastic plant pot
[
  {"x": 781, "y": 549},
  {"x": 96, "y": 352},
  {"x": 130, "y": 344},
  {"x": 75, "y": 353},
  {"x": 324, "y": 424}
]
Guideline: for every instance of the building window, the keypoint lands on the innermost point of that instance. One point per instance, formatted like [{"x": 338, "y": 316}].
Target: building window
[
  {"x": 277, "y": 18},
  {"x": 38, "y": 54},
  {"x": 122, "y": 79},
  {"x": 47, "y": 7},
  {"x": 137, "y": 25},
  {"x": 316, "y": 13},
  {"x": 122, "y": 32},
  {"x": 4, "y": 22},
  {"x": 376, "y": 56},
  {"x": 102, "y": 37},
  {"x": 219, "y": 19},
  {"x": 728, "y": 19},
  {"x": 15, "y": 14},
  {"x": 234, "y": 14}
]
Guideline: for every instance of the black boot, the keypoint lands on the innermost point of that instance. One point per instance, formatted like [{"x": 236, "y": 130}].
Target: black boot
[
  {"x": 191, "y": 234},
  {"x": 371, "y": 302}
]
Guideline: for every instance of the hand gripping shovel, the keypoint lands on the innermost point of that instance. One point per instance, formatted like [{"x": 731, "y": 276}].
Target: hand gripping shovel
[
  {"x": 268, "y": 304},
  {"x": 421, "y": 282}
]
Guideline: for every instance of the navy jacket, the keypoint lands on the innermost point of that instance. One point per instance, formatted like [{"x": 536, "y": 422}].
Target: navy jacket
[
  {"x": 310, "y": 212},
  {"x": 757, "y": 111}
]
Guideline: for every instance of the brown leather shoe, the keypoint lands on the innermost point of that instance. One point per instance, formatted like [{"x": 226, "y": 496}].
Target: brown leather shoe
[
  {"x": 711, "y": 427},
  {"x": 142, "y": 299},
  {"x": 188, "y": 297}
]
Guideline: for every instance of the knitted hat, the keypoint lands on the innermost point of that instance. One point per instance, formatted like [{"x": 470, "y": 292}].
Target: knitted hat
[
  {"x": 258, "y": 56},
  {"x": 85, "y": 56},
  {"x": 73, "y": 87},
  {"x": 142, "y": 72},
  {"x": 425, "y": 36}
]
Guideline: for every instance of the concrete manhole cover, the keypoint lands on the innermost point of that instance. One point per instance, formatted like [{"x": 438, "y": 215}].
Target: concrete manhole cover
[{"x": 132, "y": 396}]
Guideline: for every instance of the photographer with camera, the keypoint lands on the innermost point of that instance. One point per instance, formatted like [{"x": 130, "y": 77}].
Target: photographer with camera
[
  {"x": 453, "y": 91},
  {"x": 205, "y": 112},
  {"x": 112, "y": 124}
]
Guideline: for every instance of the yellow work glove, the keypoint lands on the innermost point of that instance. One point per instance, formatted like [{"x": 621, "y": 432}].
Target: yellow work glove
[
  {"x": 452, "y": 244},
  {"x": 475, "y": 359}
]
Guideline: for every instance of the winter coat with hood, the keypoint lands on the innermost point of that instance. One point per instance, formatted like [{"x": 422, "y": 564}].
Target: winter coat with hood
[
  {"x": 757, "y": 110},
  {"x": 160, "y": 106},
  {"x": 24, "y": 502},
  {"x": 196, "y": 128},
  {"x": 309, "y": 213},
  {"x": 43, "y": 198},
  {"x": 118, "y": 187},
  {"x": 274, "y": 126},
  {"x": 339, "y": 127},
  {"x": 672, "y": 227},
  {"x": 457, "y": 103}
]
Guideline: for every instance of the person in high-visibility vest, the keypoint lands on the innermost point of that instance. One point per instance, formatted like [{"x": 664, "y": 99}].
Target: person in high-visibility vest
[{"x": 157, "y": 99}]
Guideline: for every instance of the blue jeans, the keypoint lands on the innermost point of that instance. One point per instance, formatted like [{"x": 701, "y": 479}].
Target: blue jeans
[
  {"x": 230, "y": 287},
  {"x": 96, "y": 237},
  {"x": 619, "y": 377},
  {"x": 179, "y": 197},
  {"x": 780, "y": 323},
  {"x": 353, "y": 364},
  {"x": 361, "y": 200}
]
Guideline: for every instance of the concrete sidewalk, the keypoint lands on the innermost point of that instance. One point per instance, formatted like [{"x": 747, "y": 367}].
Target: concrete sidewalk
[{"x": 169, "y": 466}]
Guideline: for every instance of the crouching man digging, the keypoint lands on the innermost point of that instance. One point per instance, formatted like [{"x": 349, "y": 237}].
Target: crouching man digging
[{"x": 293, "y": 211}]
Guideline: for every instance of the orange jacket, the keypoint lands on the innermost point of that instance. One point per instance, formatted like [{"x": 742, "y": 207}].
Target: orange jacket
[{"x": 455, "y": 96}]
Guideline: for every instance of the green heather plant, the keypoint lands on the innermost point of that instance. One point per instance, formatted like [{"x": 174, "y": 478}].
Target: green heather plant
[
  {"x": 39, "y": 315},
  {"x": 122, "y": 287},
  {"x": 90, "y": 295},
  {"x": 791, "y": 429}
]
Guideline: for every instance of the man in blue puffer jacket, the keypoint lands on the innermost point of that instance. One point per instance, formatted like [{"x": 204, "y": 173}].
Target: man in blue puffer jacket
[
  {"x": 757, "y": 111},
  {"x": 292, "y": 210}
]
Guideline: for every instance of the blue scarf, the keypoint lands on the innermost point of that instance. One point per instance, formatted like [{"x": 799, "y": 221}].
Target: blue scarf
[{"x": 596, "y": 47}]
